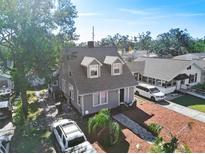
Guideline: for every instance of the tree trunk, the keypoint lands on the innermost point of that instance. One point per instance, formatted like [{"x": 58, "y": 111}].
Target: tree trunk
[{"x": 24, "y": 103}]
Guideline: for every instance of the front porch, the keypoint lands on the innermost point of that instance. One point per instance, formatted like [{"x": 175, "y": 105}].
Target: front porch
[{"x": 181, "y": 81}]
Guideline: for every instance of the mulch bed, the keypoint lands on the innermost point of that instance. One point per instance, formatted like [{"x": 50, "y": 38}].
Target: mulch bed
[
  {"x": 173, "y": 121},
  {"x": 147, "y": 113}
]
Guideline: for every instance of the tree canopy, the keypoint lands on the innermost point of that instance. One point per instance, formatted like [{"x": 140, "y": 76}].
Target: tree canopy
[
  {"x": 27, "y": 37},
  {"x": 172, "y": 43}
]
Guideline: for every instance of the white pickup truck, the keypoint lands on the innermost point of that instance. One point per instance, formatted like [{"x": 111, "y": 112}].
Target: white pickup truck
[{"x": 70, "y": 138}]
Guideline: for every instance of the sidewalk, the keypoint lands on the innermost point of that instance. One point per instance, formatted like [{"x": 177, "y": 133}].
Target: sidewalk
[{"x": 185, "y": 111}]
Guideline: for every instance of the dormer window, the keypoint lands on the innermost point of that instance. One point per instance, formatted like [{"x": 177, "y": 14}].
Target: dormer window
[
  {"x": 116, "y": 69},
  {"x": 116, "y": 64},
  {"x": 92, "y": 65},
  {"x": 94, "y": 71}
]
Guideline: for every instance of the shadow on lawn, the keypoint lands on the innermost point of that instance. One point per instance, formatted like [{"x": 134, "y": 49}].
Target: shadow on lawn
[
  {"x": 31, "y": 135},
  {"x": 121, "y": 147}
]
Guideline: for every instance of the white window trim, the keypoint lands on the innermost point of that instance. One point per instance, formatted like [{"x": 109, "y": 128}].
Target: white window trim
[
  {"x": 98, "y": 69},
  {"x": 120, "y": 68},
  {"x": 71, "y": 89},
  {"x": 126, "y": 95},
  {"x": 100, "y": 99},
  {"x": 63, "y": 85},
  {"x": 78, "y": 102}
]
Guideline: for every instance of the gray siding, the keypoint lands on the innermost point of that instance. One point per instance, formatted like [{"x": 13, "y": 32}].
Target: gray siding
[
  {"x": 65, "y": 74},
  {"x": 112, "y": 102}
]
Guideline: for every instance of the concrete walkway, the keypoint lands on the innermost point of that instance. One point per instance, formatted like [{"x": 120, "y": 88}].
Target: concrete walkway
[
  {"x": 135, "y": 127},
  {"x": 197, "y": 115}
]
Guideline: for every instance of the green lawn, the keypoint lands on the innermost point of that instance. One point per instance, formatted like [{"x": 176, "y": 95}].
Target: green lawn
[{"x": 191, "y": 102}]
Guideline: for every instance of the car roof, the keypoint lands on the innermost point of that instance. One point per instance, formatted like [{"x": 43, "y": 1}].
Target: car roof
[
  {"x": 71, "y": 130},
  {"x": 146, "y": 85}
]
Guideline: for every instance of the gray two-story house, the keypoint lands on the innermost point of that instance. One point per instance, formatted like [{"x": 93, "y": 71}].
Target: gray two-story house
[{"x": 93, "y": 78}]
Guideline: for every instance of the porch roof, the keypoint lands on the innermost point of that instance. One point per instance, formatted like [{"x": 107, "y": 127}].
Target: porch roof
[{"x": 181, "y": 77}]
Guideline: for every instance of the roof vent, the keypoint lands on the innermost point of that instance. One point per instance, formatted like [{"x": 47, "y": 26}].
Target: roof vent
[{"x": 91, "y": 44}]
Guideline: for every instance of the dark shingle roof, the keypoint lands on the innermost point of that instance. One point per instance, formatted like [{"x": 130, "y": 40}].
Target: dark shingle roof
[{"x": 105, "y": 81}]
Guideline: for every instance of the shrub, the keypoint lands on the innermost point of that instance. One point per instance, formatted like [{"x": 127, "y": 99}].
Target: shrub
[
  {"x": 200, "y": 86},
  {"x": 155, "y": 128},
  {"x": 104, "y": 129}
]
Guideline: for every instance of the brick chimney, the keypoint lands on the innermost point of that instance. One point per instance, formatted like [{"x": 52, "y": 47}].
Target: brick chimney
[{"x": 91, "y": 44}]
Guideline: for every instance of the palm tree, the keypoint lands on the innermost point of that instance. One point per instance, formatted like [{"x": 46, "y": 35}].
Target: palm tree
[{"x": 102, "y": 126}]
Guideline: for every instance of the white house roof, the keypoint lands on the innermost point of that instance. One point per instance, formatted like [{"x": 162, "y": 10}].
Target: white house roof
[
  {"x": 111, "y": 59},
  {"x": 88, "y": 60},
  {"x": 186, "y": 57},
  {"x": 4, "y": 104},
  {"x": 163, "y": 69},
  {"x": 191, "y": 56},
  {"x": 5, "y": 75}
]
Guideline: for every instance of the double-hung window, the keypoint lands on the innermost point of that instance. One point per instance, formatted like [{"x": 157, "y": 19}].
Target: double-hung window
[
  {"x": 94, "y": 71},
  {"x": 117, "y": 69},
  {"x": 100, "y": 98}
]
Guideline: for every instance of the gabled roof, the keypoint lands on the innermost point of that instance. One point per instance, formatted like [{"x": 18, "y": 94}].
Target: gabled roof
[
  {"x": 111, "y": 59},
  {"x": 163, "y": 69},
  {"x": 106, "y": 81},
  {"x": 88, "y": 60}
]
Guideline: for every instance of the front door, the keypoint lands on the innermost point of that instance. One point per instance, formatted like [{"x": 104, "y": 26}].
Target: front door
[{"x": 122, "y": 95}]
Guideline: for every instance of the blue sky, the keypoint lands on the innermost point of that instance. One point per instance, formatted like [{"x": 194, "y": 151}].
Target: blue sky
[{"x": 135, "y": 16}]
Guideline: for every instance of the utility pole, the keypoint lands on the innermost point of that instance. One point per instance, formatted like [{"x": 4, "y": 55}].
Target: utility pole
[{"x": 93, "y": 34}]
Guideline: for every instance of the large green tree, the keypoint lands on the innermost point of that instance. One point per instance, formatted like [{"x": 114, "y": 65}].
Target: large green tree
[
  {"x": 27, "y": 36},
  {"x": 143, "y": 41},
  {"x": 173, "y": 43},
  {"x": 119, "y": 41}
]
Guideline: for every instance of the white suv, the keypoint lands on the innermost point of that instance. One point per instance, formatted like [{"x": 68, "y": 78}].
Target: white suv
[
  {"x": 70, "y": 138},
  {"x": 150, "y": 92}
]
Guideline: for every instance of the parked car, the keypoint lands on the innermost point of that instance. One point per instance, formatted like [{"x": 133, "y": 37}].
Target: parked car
[
  {"x": 70, "y": 138},
  {"x": 5, "y": 143},
  {"x": 150, "y": 92},
  {"x": 5, "y": 109}
]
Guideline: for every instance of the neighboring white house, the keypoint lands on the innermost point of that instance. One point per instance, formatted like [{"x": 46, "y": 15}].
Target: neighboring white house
[
  {"x": 198, "y": 59},
  {"x": 5, "y": 81},
  {"x": 166, "y": 74},
  {"x": 135, "y": 54}
]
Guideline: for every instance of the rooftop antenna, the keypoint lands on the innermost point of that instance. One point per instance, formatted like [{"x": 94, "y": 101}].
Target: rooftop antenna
[{"x": 93, "y": 34}]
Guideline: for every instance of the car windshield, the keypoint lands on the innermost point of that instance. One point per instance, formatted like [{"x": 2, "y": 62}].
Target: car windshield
[
  {"x": 76, "y": 141},
  {"x": 154, "y": 90},
  {"x": 2, "y": 149}
]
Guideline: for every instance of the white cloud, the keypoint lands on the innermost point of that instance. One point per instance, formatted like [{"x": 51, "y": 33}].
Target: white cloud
[
  {"x": 140, "y": 11},
  {"x": 83, "y": 14},
  {"x": 189, "y": 14}
]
